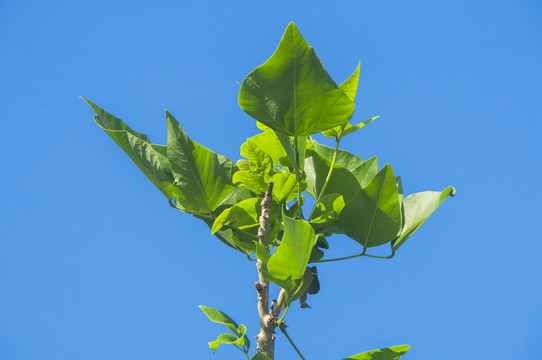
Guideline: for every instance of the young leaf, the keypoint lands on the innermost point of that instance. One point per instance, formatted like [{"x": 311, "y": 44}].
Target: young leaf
[
  {"x": 285, "y": 187},
  {"x": 391, "y": 353},
  {"x": 151, "y": 159},
  {"x": 373, "y": 217},
  {"x": 277, "y": 145},
  {"x": 250, "y": 180},
  {"x": 263, "y": 255},
  {"x": 292, "y": 93},
  {"x": 292, "y": 255},
  {"x": 417, "y": 208},
  {"x": 258, "y": 160},
  {"x": 350, "y": 129},
  {"x": 202, "y": 176},
  {"x": 219, "y": 317}
]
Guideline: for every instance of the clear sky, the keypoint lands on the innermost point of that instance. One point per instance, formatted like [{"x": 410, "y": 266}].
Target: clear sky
[{"x": 94, "y": 264}]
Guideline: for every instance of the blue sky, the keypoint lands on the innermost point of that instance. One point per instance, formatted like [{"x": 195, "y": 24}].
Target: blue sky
[{"x": 94, "y": 264}]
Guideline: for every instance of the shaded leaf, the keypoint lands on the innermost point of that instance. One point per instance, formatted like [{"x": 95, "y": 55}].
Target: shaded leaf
[
  {"x": 151, "y": 159},
  {"x": 204, "y": 178},
  {"x": 417, "y": 208},
  {"x": 391, "y": 353},
  {"x": 292, "y": 93},
  {"x": 259, "y": 356},
  {"x": 373, "y": 217}
]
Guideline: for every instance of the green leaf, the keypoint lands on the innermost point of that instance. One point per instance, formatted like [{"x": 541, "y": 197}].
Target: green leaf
[
  {"x": 151, "y": 159},
  {"x": 277, "y": 145},
  {"x": 285, "y": 187},
  {"x": 417, "y": 208},
  {"x": 219, "y": 317},
  {"x": 391, "y": 353},
  {"x": 242, "y": 216},
  {"x": 300, "y": 289},
  {"x": 258, "y": 160},
  {"x": 203, "y": 177},
  {"x": 292, "y": 255},
  {"x": 259, "y": 356},
  {"x": 364, "y": 171},
  {"x": 350, "y": 85},
  {"x": 373, "y": 217},
  {"x": 350, "y": 88},
  {"x": 292, "y": 93},
  {"x": 342, "y": 180},
  {"x": 263, "y": 254},
  {"x": 350, "y": 129},
  {"x": 227, "y": 339},
  {"x": 250, "y": 180},
  {"x": 326, "y": 214}
]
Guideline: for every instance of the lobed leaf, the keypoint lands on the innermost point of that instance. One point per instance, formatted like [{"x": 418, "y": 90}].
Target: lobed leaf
[
  {"x": 292, "y": 93},
  {"x": 373, "y": 217}
]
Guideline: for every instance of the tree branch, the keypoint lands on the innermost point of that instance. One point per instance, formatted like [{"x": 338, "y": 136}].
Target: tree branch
[{"x": 266, "y": 337}]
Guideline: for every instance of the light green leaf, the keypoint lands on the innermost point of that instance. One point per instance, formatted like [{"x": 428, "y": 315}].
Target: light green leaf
[
  {"x": 326, "y": 214},
  {"x": 292, "y": 93},
  {"x": 252, "y": 181},
  {"x": 258, "y": 160},
  {"x": 417, "y": 208},
  {"x": 242, "y": 216},
  {"x": 350, "y": 129},
  {"x": 263, "y": 254},
  {"x": 350, "y": 85},
  {"x": 242, "y": 164},
  {"x": 350, "y": 88},
  {"x": 285, "y": 187},
  {"x": 227, "y": 339},
  {"x": 391, "y": 353},
  {"x": 259, "y": 356},
  {"x": 277, "y": 145},
  {"x": 301, "y": 286},
  {"x": 151, "y": 159},
  {"x": 219, "y": 317},
  {"x": 373, "y": 217},
  {"x": 292, "y": 255},
  {"x": 202, "y": 176}
]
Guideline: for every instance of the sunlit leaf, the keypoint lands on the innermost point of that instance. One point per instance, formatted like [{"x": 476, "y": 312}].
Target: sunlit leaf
[
  {"x": 203, "y": 177},
  {"x": 285, "y": 187},
  {"x": 292, "y": 93},
  {"x": 250, "y": 180},
  {"x": 258, "y": 160},
  {"x": 350, "y": 129},
  {"x": 151, "y": 159},
  {"x": 417, "y": 208},
  {"x": 292, "y": 255},
  {"x": 391, "y": 353}
]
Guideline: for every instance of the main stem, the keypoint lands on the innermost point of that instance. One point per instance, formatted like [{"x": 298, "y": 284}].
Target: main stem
[{"x": 266, "y": 337}]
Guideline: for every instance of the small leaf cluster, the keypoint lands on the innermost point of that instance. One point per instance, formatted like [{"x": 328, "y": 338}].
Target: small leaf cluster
[{"x": 292, "y": 97}]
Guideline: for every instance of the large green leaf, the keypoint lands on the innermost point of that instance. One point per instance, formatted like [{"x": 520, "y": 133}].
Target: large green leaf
[
  {"x": 292, "y": 93},
  {"x": 391, "y": 353},
  {"x": 286, "y": 187},
  {"x": 373, "y": 217},
  {"x": 417, "y": 208},
  {"x": 292, "y": 255},
  {"x": 151, "y": 159},
  {"x": 204, "y": 178}
]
